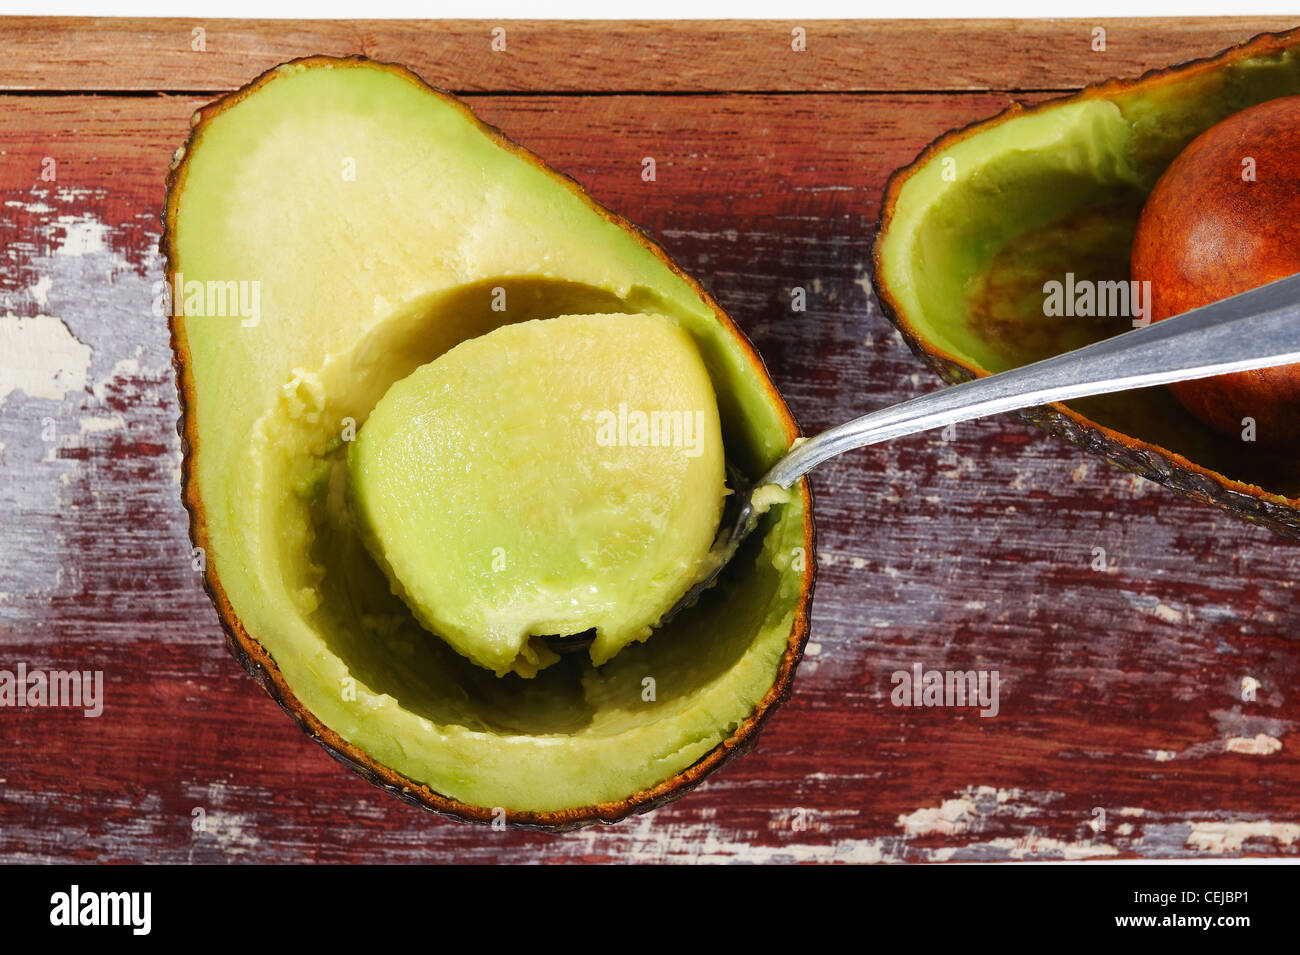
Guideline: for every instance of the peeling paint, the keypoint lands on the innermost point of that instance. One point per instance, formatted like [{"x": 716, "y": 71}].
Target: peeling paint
[
  {"x": 233, "y": 832},
  {"x": 1221, "y": 837},
  {"x": 40, "y": 292},
  {"x": 41, "y": 358},
  {"x": 82, "y": 235},
  {"x": 1046, "y": 847},
  {"x": 1258, "y": 745},
  {"x": 1169, "y": 614},
  {"x": 952, "y": 817},
  {"x": 109, "y": 423},
  {"x": 122, "y": 369},
  {"x": 34, "y": 208}
]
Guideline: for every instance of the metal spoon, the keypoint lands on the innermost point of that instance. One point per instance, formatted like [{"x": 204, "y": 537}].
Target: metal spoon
[{"x": 1256, "y": 329}]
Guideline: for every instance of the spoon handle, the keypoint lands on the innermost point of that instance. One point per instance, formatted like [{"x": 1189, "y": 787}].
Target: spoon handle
[{"x": 1255, "y": 329}]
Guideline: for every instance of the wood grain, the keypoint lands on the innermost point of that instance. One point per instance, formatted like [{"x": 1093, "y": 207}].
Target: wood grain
[
  {"x": 1121, "y": 689},
  {"x": 124, "y": 54}
]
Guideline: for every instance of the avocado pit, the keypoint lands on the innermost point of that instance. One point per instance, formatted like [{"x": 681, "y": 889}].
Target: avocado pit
[{"x": 1221, "y": 220}]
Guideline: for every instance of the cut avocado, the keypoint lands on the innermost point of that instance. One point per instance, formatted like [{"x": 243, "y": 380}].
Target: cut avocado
[
  {"x": 548, "y": 478},
  {"x": 381, "y": 224},
  {"x": 972, "y": 231}
]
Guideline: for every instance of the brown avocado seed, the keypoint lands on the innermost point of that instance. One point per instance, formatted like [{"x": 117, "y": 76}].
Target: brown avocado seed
[{"x": 1221, "y": 220}]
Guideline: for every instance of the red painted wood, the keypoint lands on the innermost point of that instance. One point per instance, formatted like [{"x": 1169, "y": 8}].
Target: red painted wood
[{"x": 1121, "y": 689}]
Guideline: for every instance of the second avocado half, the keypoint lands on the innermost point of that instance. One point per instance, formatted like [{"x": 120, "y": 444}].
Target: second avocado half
[{"x": 973, "y": 230}]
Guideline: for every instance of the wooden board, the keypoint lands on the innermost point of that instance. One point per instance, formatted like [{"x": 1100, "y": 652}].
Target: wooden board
[
  {"x": 1121, "y": 689},
  {"x": 123, "y": 54}
]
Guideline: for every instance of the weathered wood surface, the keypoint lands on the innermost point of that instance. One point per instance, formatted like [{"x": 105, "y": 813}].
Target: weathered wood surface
[
  {"x": 116, "y": 54},
  {"x": 1121, "y": 689}
]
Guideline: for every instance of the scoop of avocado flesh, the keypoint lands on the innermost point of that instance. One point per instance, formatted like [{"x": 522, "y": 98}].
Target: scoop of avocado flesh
[
  {"x": 1009, "y": 241},
  {"x": 549, "y": 478},
  {"x": 334, "y": 231}
]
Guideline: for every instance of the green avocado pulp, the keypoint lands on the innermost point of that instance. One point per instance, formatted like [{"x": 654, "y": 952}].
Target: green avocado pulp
[
  {"x": 583, "y": 495},
  {"x": 983, "y": 223},
  {"x": 385, "y": 226}
]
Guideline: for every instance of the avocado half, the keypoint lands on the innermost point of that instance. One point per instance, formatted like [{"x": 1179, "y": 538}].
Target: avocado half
[
  {"x": 971, "y": 231},
  {"x": 367, "y": 223}
]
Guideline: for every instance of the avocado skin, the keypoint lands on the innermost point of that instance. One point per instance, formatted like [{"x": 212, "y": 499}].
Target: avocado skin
[
  {"x": 257, "y": 661},
  {"x": 1277, "y": 512}
]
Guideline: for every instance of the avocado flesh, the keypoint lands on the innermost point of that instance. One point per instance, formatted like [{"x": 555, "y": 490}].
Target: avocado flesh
[
  {"x": 962, "y": 258},
  {"x": 362, "y": 281},
  {"x": 549, "y": 478}
]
